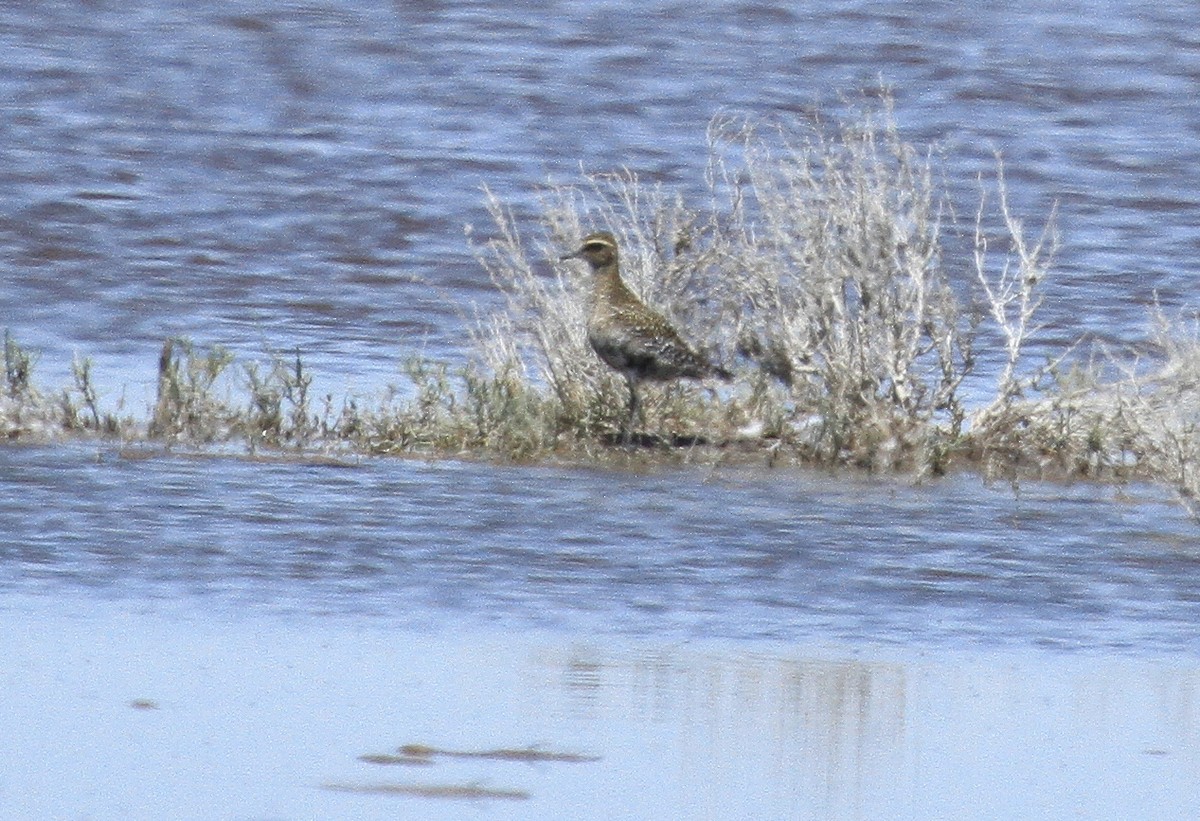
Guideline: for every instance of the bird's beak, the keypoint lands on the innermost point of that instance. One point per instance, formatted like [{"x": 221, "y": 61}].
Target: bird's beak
[{"x": 572, "y": 255}]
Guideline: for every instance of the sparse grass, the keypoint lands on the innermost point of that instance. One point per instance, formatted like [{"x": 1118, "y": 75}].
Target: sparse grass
[
  {"x": 815, "y": 269},
  {"x": 25, "y": 413},
  {"x": 18, "y": 368},
  {"x": 1123, "y": 415},
  {"x": 279, "y": 413},
  {"x": 188, "y": 407}
]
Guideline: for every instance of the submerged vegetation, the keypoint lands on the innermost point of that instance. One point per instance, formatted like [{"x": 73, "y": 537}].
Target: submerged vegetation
[{"x": 817, "y": 270}]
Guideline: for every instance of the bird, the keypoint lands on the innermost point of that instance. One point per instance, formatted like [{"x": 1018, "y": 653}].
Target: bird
[{"x": 629, "y": 336}]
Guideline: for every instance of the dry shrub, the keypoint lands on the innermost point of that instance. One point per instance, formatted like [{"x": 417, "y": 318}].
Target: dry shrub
[
  {"x": 541, "y": 337},
  {"x": 836, "y": 263},
  {"x": 816, "y": 265},
  {"x": 24, "y": 412},
  {"x": 1121, "y": 415},
  {"x": 815, "y": 268},
  {"x": 1157, "y": 415}
]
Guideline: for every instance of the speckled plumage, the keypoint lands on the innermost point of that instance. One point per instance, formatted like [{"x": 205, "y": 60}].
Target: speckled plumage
[{"x": 630, "y": 337}]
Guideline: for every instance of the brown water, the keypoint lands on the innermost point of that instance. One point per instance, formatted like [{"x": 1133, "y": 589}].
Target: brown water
[{"x": 286, "y": 176}]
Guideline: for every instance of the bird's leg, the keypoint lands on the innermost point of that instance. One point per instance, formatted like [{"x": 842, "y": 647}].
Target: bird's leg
[{"x": 634, "y": 408}]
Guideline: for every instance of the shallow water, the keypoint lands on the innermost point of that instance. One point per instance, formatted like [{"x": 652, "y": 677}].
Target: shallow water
[
  {"x": 688, "y": 553},
  {"x": 299, "y": 176},
  {"x": 119, "y": 713},
  {"x": 296, "y": 176}
]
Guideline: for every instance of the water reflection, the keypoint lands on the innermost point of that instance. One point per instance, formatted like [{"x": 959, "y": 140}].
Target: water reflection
[
  {"x": 798, "y": 738},
  {"x": 951, "y": 736},
  {"x": 252, "y": 716}
]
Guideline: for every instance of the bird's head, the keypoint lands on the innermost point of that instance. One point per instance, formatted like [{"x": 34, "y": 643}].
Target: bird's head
[{"x": 598, "y": 249}]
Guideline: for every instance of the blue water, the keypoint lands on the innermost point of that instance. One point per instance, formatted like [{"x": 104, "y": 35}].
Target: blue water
[
  {"x": 685, "y": 553},
  {"x": 732, "y": 641},
  {"x": 282, "y": 176},
  {"x": 279, "y": 177}
]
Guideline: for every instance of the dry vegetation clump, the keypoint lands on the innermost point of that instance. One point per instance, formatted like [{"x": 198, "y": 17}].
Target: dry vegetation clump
[
  {"x": 23, "y": 411},
  {"x": 1119, "y": 416},
  {"x": 202, "y": 399},
  {"x": 1153, "y": 418},
  {"x": 477, "y": 411},
  {"x": 815, "y": 269},
  {"x": 845, "y": 300},
  {"x": 27, "y": 413}
]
